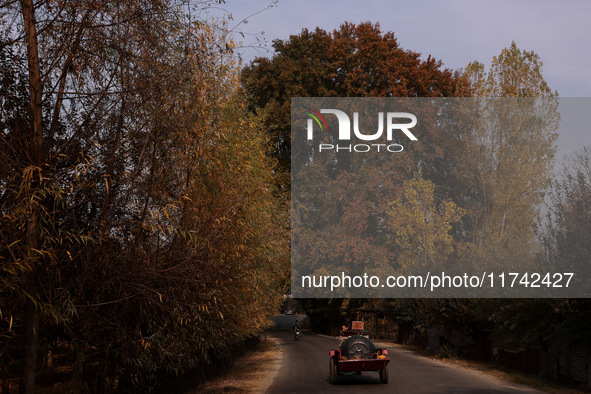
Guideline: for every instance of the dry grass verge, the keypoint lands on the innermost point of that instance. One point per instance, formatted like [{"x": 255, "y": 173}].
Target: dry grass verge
[
  {"x": 253, "y": 373},
  {"x": 509, "y": 375}
]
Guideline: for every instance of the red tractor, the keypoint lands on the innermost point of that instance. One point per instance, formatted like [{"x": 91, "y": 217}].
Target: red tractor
[{"x": 357, "y": 354}]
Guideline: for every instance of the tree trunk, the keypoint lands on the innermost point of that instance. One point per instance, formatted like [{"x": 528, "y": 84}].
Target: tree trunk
[
  {"x": 33, "y": 232},
  {"x": 31, "y": 334}
]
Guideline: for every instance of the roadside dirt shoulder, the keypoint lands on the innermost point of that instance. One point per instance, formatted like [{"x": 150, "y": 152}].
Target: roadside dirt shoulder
[
  {"x": 492, "y": 370},
  {"x": 252, "y": 373}
]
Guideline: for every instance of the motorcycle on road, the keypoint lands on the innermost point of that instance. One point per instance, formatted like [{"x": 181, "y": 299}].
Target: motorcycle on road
[{"x": 296, "y": 334}]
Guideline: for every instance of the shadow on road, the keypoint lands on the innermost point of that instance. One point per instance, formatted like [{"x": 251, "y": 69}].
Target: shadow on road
[{"x": 285, "y": 322}]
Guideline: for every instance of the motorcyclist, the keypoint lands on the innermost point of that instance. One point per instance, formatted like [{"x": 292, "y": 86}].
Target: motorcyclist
[{"x": 296, "y": 330}]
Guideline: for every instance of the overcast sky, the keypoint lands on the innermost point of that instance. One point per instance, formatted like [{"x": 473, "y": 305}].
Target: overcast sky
[{"x": 453, "y": 31}]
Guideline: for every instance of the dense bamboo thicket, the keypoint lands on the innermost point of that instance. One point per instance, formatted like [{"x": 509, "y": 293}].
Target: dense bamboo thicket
[{"x": 141, "y": 235}]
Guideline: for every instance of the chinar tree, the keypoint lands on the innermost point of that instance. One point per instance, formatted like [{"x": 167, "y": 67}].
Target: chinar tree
[{"x": 355, "y": 60}]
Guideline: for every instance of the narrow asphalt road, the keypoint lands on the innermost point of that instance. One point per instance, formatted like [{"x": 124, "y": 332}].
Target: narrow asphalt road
[{"x": 304, "y": 369}]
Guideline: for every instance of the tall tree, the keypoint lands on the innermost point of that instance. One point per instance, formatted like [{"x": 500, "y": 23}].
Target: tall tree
[
  {"x": 352, "y": 61},
  {"x": 508, "y": 151},
  {"x": 497, "y": 173}
]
